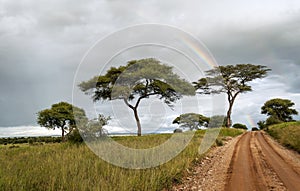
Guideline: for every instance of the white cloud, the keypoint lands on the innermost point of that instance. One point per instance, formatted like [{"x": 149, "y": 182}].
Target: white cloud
[{"x": 27, "y": 131}]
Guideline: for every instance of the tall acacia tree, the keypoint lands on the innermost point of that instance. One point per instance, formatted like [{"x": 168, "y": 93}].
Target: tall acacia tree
[
  {"x": 232, "y": 80},
  {"x": 137, "y": 80},
  {"x": 61, "y": 116}
]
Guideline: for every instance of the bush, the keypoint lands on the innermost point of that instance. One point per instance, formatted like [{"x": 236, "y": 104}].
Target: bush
[
  {"x": 262, "y": 125},
  {"x": 219, "y": 142},
  {"x": 30, "y": 141},
  {"x": 272, "y": 121},
  {"x": 178, "y": 131},
  {"x": 239, "y": 126},
  {"x": 74, "y": 136},
  {"x": 255, "y": 129}
]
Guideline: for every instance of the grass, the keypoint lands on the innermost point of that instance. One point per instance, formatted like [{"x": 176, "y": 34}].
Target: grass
[
  {"x": 226, "y": 132},
  {"x": 143, "y": 142},
  {"x": 75, "y": 167},
  {"x": 287, "y": 134}
]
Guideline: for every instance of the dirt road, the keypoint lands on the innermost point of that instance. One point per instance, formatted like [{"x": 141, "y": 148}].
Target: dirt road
[{"x": 252, "y": 161}]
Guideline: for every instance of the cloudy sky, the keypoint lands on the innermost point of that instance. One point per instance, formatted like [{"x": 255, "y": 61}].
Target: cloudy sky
[{"x": 43, "y": 42}]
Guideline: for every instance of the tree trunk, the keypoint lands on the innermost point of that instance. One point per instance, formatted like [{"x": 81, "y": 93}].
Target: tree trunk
[
  {"x": 228, "y": 117},
  {"x": 231, "y": 98},
  {"x": 134, "y": 108},
  {"x": 138, "y": 123},
  {"x": 62, "y": 134}
]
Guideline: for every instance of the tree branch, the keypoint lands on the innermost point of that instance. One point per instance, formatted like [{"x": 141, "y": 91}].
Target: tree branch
[
  {"x": 128, "y": 104},
  {"x": 144, "y": 96}
]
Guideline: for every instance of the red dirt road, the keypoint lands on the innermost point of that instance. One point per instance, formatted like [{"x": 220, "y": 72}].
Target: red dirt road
[
  {"x": 253, "y": 162},
  {"x": 250, "y": 162}
]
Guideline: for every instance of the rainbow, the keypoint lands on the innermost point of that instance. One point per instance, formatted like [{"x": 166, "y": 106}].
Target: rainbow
[
  {"x": 250, "y": 121},
  {"x": 198, "y": 48}
]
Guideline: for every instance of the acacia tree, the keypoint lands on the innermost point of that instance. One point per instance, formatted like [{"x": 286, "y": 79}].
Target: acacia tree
[
  {"x": 278, "y": 110},
  {"x": 232, "y": 80},
  {"x": 137, "y": 80},
  {"x": 61, "y": 116},
  {"x": 192, "y": 120}
]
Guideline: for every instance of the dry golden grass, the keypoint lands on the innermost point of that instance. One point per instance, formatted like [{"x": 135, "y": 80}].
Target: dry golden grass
[{"x": 75, "y": 167}]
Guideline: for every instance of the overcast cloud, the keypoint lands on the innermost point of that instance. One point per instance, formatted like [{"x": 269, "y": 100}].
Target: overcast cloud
[{"x": 42, "y": 43}]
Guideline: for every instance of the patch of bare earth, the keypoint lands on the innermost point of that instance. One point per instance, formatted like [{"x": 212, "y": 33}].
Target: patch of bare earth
[{"x": 211, "y": 172}]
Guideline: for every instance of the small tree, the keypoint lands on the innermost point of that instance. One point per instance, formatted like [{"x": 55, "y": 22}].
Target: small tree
[
  {"x": 138, "y": 80},
  {"x": 192, "y": 120},
  {"x": 94, "y": 128},
  {"x": 262, "y": 124},
  {"x": 232, "y": 80},
  {"x": 278, "y": 110},
  {"x": 61, "y": 116},
  {"x": 239, "y": 126}
]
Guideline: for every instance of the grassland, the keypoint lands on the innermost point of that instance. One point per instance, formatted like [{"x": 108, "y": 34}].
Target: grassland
[
  {"x": 62, "y": 166},
  {"x": 288, "y": 134}
]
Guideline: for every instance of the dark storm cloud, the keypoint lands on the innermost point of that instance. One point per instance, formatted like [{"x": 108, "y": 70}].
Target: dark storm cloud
[
  {"x": 275, "y": 46},
  {"x": 43, "y": 42}
]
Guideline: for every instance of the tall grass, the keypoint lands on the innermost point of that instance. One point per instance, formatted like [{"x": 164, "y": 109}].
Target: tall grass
[
  {"x": 75, "y": 167},
  {"x": 288, "y": 134}
]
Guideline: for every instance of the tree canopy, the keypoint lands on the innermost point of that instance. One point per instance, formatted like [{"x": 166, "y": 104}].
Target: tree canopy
[
  {"x": 192, "y": 120},
  {"x": 278, "y": 110},
  {"x": 137, "y": 80},
  {"x": 239, "y": 126},
  {"x": 61, "y": 116},
  {"x": 231, "y": 80}
]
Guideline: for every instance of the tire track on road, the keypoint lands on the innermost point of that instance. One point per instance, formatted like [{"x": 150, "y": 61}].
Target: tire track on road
[{"x": 285, "y": 171}]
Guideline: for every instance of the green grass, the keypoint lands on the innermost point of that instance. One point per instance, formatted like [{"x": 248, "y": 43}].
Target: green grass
[
  {"x": 230, "y": 132},
  {"x": 287, "y": 134},
  {"x": 75, "y": 167}
]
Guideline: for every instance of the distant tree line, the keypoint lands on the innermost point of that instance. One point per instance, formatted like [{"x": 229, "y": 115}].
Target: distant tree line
[{"x": 30, "y": 140}]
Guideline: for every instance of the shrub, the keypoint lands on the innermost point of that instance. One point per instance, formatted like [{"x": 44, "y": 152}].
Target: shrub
[
  {"x": 30, "y": 141},
  {"x": 219, "y": 142},
  {"x": 178, "y": 131},
  {"x": 74, "y": 136},
  {"x": 262, "y": 125}
]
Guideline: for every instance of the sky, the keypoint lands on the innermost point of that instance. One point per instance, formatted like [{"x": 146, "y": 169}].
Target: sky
[{"x": 43, "y": 43}]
